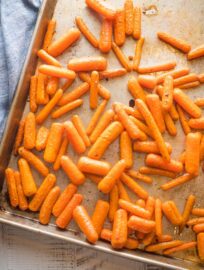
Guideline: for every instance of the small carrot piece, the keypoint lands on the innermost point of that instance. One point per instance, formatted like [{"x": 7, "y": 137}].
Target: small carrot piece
[
  {"x": 28, "y": 182},
  {"x": 32, "y": 94},
  {"x": 198, "y": 212},
  {"x": 29, "y": 131},
  {"x": 41, "y": 138},
  {"x": 148, "y": 239},
  {"x": 170, "y": 125},
  {"x": 135, "y": 89},
  {"x": 74, "y": 137},
  {"x": 157, "y": 161},
  {"x": 187, "y": 211},
  {"x": 158, "y": 67},
  {"x": 195, "y": 221},
  {"x": 138, "y": 53},
  {"x": 66, "y": 215},
  {"x": 150, "y": 205},
  {"x": 64, "y": 199},
  {"x": 99, "y": 215},
  {"x": 175, "y": 74},
  {"x": 122, "y": 192},
  {"x": 66, "y": 108},
  {"x": 72, "y": 171},
  {"x": 192, "y": 77},
  {"x": 108, "y": 182},
  {"x": 141, "y": 225},
  {"x": 119, "y": 233},
  {"x": 49, "y": 34},
  {"x": 97, "y": 167},
  {"x": 202, "y": 148},
  {"x": 106, "y": 36},
  {"x": 177, "y": 181},
  {"x": 139, "y": 176},
  {"x": 46, "y": 209},
  {"x": 172, "y": 213},
  {"x": 164, "y": 238},
  {"x": 201, "y": 77},
  {"x": 52, "y": 85},
  {"x": 158, "y": 217},
  {"x": 183, "y": 120},
  {"x": 199, "y": 102},
  {"x": 141, "y": 125},
  {"x": 80, "y": 129},
  {"x": 112, "y": 73},
  {"x": 57, "y": 72},
  {"x": 182, "y": 247},
  {"x": 99, "y": 7},
  {"x": 121, "y": 57},
  {"x": 40, "y": 90},
  {"x": 33, "y": 160},
  {"x": 154, "y": 171},
  {"x": 198, "y": 228},
  {"x": 137, "y": 12},
  {"x": 147, "y": 81},
  {"x": 12, "y": 187},
  {"x": 167, "y": 98},
  {"x": 93, "y": 98},
  {"x": 86, "y": 32},
  {"x": 67, "y": 84},
  {"x": 113, "y": 198},
  {"x": 19, "y": 136},
  {"x": 119, "y": 27},
  {"x": 164, "y": 245},
  {"x": 196, "y": 53},
  {"x": 189, "y": 85},
  {"x": 62, "y": 151},
  {"x": 197, "y": 123},
  {"x": 126, "y": 149},
  {"x": 149, "y": 147},
  {"x": 48, "y": 59},
  {"x": 53, "y": 142},
  {"x": 105, "y": 139},
  {"x": 134, "y": 209},
  {"x": 200, "y": 244},
  {"x": 129, "y": 17},
  {"x": 192, "y": 158},
  {"x": 22, "y": 201},
  {"x": 174, "y": 42},
  {"x": 88, "y": 63},
  {"x": 85, "y": 224},
  {"x": 42, "y": 192}
]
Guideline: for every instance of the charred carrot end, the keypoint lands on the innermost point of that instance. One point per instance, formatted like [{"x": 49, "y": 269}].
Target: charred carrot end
[
  {"x": 198, "y": 212},
  {"x": 167, "y": 98},
  {"x": 12, "y": 188},
  {"x": 137, "y": 22},
  {"x": 49, "y": 34},
  {"x": 97, "y": 167},
  {"x": 126, "y": 149},
  {"x": 41, "y": 138},
  {"x": 175, "y": 74},
  {"x": 119, "y": 233},
  {"x": 134, "y": 209},
  {"x": 85, "y": 224},
  {"x": 174, "y": 42},
  {"x": 139, "y": 176},
  {"x": 119, "y": 27},
  {"x": 200, "y": 243},
  {"x": 141, "y": 225},
  {"x": 40, "y": 91},
  {"x": 158, "y": 217},
  {"x": 135, "y": 89},
  {"x": 187, "y": 210},
  {"x": 164, "y": 245},
  {"x": 99, "y": 7},
  {"x": 57, "y": 72},
  {"x": 106, "y": 36},
  {"x": 65, "y": 216},
  {"x": 113, "y": 197},
  {"x": 129, "y": 17},
  {"x": 172, "y": 213},
  {"x": 48, "y": 59},
  {"x": 86, "y": 32},
  {"x": 122, "y": 192},
  {"x": 196, "y": 53},
  {"x": 99, "y": 215},
  {"x": 182, "y": 247},
  {"x": 121, "y": 57},
  {"x": 62, "y": 151},
  {"x": 19, "y": 136},
  {"x": 52, "y": 85},
  {"x": 88, "y": 63},
  {"x": 66, "y": 108},
  {"x": 138, "y": 53},
  {"x": 112, "y": 73},
  {"x": 81, "y": 130},
  {"x": 22, "y": 201},
  {"x": 108, "y": 182},
  {"x": 149, "y": 147},
  {"x": 32, "y": 94},
  {"x": 93, "y": 99},
  {"x": 183, "y": 120},
  {"x": 29, "y": 131},
  {"x": 157, "y": 68},
  {"x": 177, "y": 181},
  {"x": 153, "y": 171},
  {"x": 46, "y": 209}
]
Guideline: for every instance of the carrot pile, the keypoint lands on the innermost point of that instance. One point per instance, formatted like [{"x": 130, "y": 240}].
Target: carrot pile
[{"x": 140, "y": 129}]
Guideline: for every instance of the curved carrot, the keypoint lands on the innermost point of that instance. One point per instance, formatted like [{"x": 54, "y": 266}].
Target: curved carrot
[
  {"x": 175, "y": 74},
  {"x": 81, "y": 130},
  {"x": 141, "y": 125},
  {"x": 192, "y": 77},
  {"x": 49, "y": 34},
  {"x": 88, "y": 165},
  {"x": 139, "y": 176},
  {"x": 138, "y": 53},
  {"x": 172, "y": 213},
  {"x": 183, "y": 120},
  {"x": 129, "y": 17},
  {"x": 86, "y": 32},
  {"x": 177, "y": 181},
  {"x": 141, "y": 225},
  {"x": 158, "y": 217},
  {"x": 182, "y": 247},
  {"x": 12, "y": 187},
  {"x": 122, "y": 192},
  {"x": 147, "y": 81},
  {"x": 112, "y": 73},
  {"x": 48, "y": 59},
  {"x": 200, "y": 244},
  {"x": 113, "y": 197},
  {"x": 154, "y": 171},
  {"x": 41, "y": 95},
  {"x": 85, "y": 224},
  {"x": 195, "y": 221},
  {"x": 93, "y": 97},
  {"x": 196, "y": 53},
  {"x": 189, "y": 85},
  {"x": 121, "y": 57},
  {"x": 74, "y": 137},
  {"x": 62, "y": 151},
  {"x": 167, "y": 98},
  {"x": 198, "y": 228},
  {"x": 22, "y": 201},
  {"x": 135, "y": 89},
  {"x": 150, "y": 205},
  {"x": 164, "y": 245},
  {"x": 137, "y": 22},
  {"x": 19, "y": 136},
  {"x": 149, "y": 147},
  {"x": 106, "y": 36},
  {"x": 57, "y": 72},
  {"x": 32, "y": 94},
  {"x": 156, "y": 68},
  {"x": 41, "y": 138},
  {"x": 170, "y": 125},
  {"x": 198, "y": 212},
  {"x": 99, "y": 7},
  {"x": 99, "y": 215},
  {"x": 187, "y": 211},
  {"x": 66, "y": 108},
  {"x": 88, "y": 63},
  {"x": 174, "y": 42},
  {"x": 197, "y": 123},
  {"x": 119, "y": 27},
  {"x": 126, "y": 149},
  {"x": 29, "y": 131},
  {"x": 134, "y": 209},
  {"x": 52, "y": 85}
]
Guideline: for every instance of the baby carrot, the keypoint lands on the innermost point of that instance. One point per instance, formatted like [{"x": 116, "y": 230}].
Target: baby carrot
[
  {"x": 99, "y": 215},
  {"x": 66, "y": 108},
  {"x": 182, "y": 247},
  {"x": 29, "y": 131},
  {"x": 129, "y": 17},
  {"x": 108, "y": 182},
  {"x": 158, "y": 67},
  {"x": 112, "y": 73},
  {"x": 57, "y": 72},
  {"x": 44, "y": 113},
  {"x": 134, "y": 209},
  {"x": 195, "y": 221},
  {"x": 53, "y": 142},
  {"x": 149, "y": 147},
  {"x": 167, "y": 97},
  {"x": 150, "y": 205},
  {"x": 66, "y": 84},
  {"x": 198, "y": 228},
  {"x": 164, "y": 238},
  {"x": 137, "y": 22},
  {"x": 119, "y": 233},
  {"x": 106, "y": 36},
  {"x": 81, "y": 130},
  {"x": 121, "y": 57},
  {"x": 189, "y": 85},
  {"x": 198, "y": 212},
  {"x": 12, "y": 187},
  {"x": 192, "y": 77},
  {"x": 113, "y": 198},
  {"x": 64, "y": 199},
  {"x": 41, "y": 138},
  {"x": 72, "y": 171},
  {"x": 126, "y": 149},
  {"x": 164, "y": 245},
  {"x": 196, "y": 53},
  {"x": 22, "y": 201},
  {"x": 200, "y": 243},
  {"x": 202, "y": 148},
  {"x": 201, "y": 77},
  {"x": 170, "y": 125},
  {"x": 62, "y": 151},
  {"x": 109, "y": 135},
  {"x": 158, "y": 217},
  {"x": 183, "y": 120},
  {"x": 192, "y": 158},
  {"x": 138, "y": 53},
  {"x": 157, "y": 161},
  {"x": 141, "y": 125},
  {"x": 141, "y": 225},
  {"x": 187, "y": 211},
  {"x": 48, "y": 59},
  {"x": 32, "y": 94},
  {"x": 122, "y": 192},
  {"x": 135, "y": 89},
  {"x": 42, "y": 192},
  {"x": 93, "y": 97},
  {"x": 86, "y": 32},
  {"x": 74, "y": 137},
  {"x": 154, "y": 171},
  {"x": 182, "y": 157},
  {"x": 172, "y": 213},
  {"x": 153, "y": 128},
  {"x": 65, "y": 216},
  {"x": 148, "y": 239},
  {"x": 174, "y": 42},
  {"x": 46, "y": 209},
  {"x": 99, "y": 7},
  {"x": 88, "y": 63},
  {"x": 139, "y": 176},
  {"x": 197, "y": 123},
  {"x": 147, "y": 81},
  {"x": 177, "y": 181},
  {"x": 119, "y": 27},
  {"x": 40, "y": 90},
  {"x": 199, "y": 102},
  {"x": 154, "y": 105},
  {"x": 52, "y": 85},
  {"x": 19, "y": 136},
  {"x": 175, "y": 74},
  {"x": 33, "y": 160},
  {"x": 88, "y": 165},
  {"x": 49, "y": 34},
  {"x": 28, "y": 182}
]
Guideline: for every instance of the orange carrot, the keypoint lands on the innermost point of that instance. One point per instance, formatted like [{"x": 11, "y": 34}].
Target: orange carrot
[
  {"x": 105, "y": 139},
  {"x": 198, "y": 212},
  {"x": 135, "y": 89},
  {"x": 33, "y": 160},
  {"x": 67, "y": 108},
  {"x": 119, "y": 27},
  {"x": 49, "y": 34},
  {"x": 141, "y": 126},
  {"x": 28, "y": 182},
  {"x": 170, "y": 125},
  {"x": 80, "y": 129},
  {"x": 40, "y": 91},
  {"x": 85, "y": 224},
  {"x": 189, "y": 85},
  {"x": 147, "y": 81},
  {"x": 57, "y": 72},
  {"x": 32, "y": 94},
  {"x": 106, "y": 36},
  {"x": 67, "y": 84},
  {"x": 174, "y": 42},
  {"x": 19, "y": 136},
  {"x": 183, "y": 120},
  {"x": 138, "y": 53},
  {"x": 12, "y": 187},
  {"x": 150, "y": 205},
  {"x": 175, "y": 74},
  {"x": 72, "y": 171},
  {"x": 158, "y": 217},
  {"x": 172, "y": 213},
  {"x": 112, "y": 73},
  {"x": 167, "y": 98},
  {"x": 137, "y": 22},
  {"x": 164, "y": 245},
  {"x": 66, "y": 215},
  {"x": 119, "y": 233},
  {"x": 46, "y": 209},
  {"x": 64, "y": 199},
  {"x": 93, "y": 98},
  {"x": 149, "y": 147},
  {"x": 195, "y": 221},
  {"x": 196, "y": 53},
  {"x": 158, "y": 67},
  {"x": 62, "y": 151},
  {"x": 29, "y": 131},
  {"x": 192, "y": 77},
  {"x": 99, "y": 215},
  {"x": 74, "y": 137},
  {"x": 201, "y": 77},
  {"x": 200, "y": 243},
  {"x": 182, "y": 157},
  {"x": 182, "y": 247},
  {"x": 88, "y": 63},
  {"x": 41, "y": 138},
  {"x": 88, "y": 165},
  {"x": 53, "y": 142},
  {"x": 99, "y": 7},
  {"x": 177, "y": 181},
  {"x": 202, "y": 148},
  {"x": 52, "y": 85},
  {"x": 113, "y": 197},
  {"x": 157, "y": 161},
  {"x": 199, "y": 102},
  {"x": 139, "y": 176},
  {"x": 164, "y": 238},
  {"x": 121, "y": 57},
  {"x": 129, "y": 17},
  {"x": 197, "y": 123},
  {"x": 126, "y": 149},
  {"x": 134, "y": 209},
  {"x": 153, "y": 171},
  {"x": 122, "y": 192},
  {"x": 108, "y": 182},
  {"x": 42, "y": 192},
  {"x": 48, "y": 59},
  {"x": 187, "y": 211},
  {"x": 148, "y": 239},
  {"x": 141, "y": 225},
  {"x": 86, "y": 32},
  {"x": 22, "y": 201},
  {"x": 198, "y": 228}
]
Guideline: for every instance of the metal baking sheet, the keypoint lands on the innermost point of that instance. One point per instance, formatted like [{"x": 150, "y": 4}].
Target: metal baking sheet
[{"x": 179, "y": 17}]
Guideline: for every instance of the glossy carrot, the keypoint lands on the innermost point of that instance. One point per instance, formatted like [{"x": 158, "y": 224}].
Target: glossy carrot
[
  {"x": 22, "y": 201},
  {"x": 12, "y": 188},
  {"x": 99, "y": 7},
  {"x": 106, "y": 36},
  {"x": 97, "y": 167},
  {"x": 175, "y": 74},
  {"x": 141, "y": 125},
  {"x": 195, "y": 221},
  {"x": 141, "y": 225},
  {"x": 29, "y": 131},
  {"x": 183, "y": 120},
  {"x": 196, "y": 53},
  {"x": 41, "y": 138},
  {"x": 158, "y": 217},
  {"x": 177, "y": 181},
  {"x": 19, "y": 137},
  {"x": 113, "y": 200},
  {"x": 138, "y": 53},
  {"x": 149, "y": 147},
  {"x": 122, "y": 192},
  {"x": 58, "y": 72},
  {"x": 41, "y": 97},
  {"x": 137, "y": 12},
  {"x": 182, "y": 247},
  {"x": 135, "y": 89},
  {"x": 196, "y": 123},
  {"x": 134, "y": 209},
  {"x": 52, "y": 85},
  {"x": 170, "y": 125},
  {"x": 150, "y": 205},
  {"x": 62, "y": 151},
  {"x": 200, "y": 243},
  {"x": 80, "y": 129},
  {"x": 126, "y": 149},
  {"x": 139, "y": 176},
  {"x": 158, "y": 67},
  {"x": 172, "y": 213},
  {"x": 154, "y": 171},
  {"x": 119, "y": 27},
  {"x": 93, "y": 97},
  {"x": 129, "y": 17},
  {"x": 199, "y": 102},
  {"x": 198, "y": 212},
  {"x": 147, "y": 81},
  {"x": 164, "y": 245},
  {"x": 32, "y": 94},
  {"x": 189, "y": 85},
  {"x": 49, "y": 34},
  {"x": 198, "y": 228},
  {"x": 187, "y": 211},
  {"x": 164, "y": 238},
  {"x": 66, "y": 108},
  {"x": 112, "y": 73},
  {"x": 48, "y": 59},
  {"x": 192, "y": 77},
  {"x": 121, "y": 57},
  {"x": 88, "y": 63},
  {"x": 99, "y": 215},
  {"x": 167, "y": 97}
]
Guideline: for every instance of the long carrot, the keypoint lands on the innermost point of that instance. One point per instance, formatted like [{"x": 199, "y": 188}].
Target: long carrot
[
  {"x": 52, "y": 85},
  {"x": 138, "y": 53},
  {"x": 141, "y": 225},
  {"x": 177, "y": 181},
  {"x": 106, "y": 36},
  {"x": 48, "y": 59},
  {"x": 66, "y": 108},
  {"x": 172, "y": 213},
  {"x": 41, "y": 97},
  {"x": 49, "y": 34},
  {"x": 121, "y": 57},
  {"x": 137, "y": 22},
  {"x": 189, "y": 85},
  {"x": 134, "y": 209},
  {"x": 139, "y": 176},
  {"x": 154, "y": 171},
  {"x": 62, "y": 151},
  {"x": 97, "y": 167},
  {"x": 41, "y": 138},
  {"x": 81, "y": 130},
  {"x": 164, "y": 245},
  {"x": 99, "y": 7},
  {"x": 113, "y": 198},
  {"x": 192, "y": 77},
  {"x": 196, "y": 53},
  {"x": 99, "y": 215},
  {"x": 183, "y": 120},
  {"x": 22, "y": 201},
  {"x": 19, "y": 136},
  {"x": 182, "y": 247},
  {"x": 200, "y": 243},
  {"x": 57, "y": 72},
  {"x": 122, "y": 192},
  {"x": 195, "y": 221},
  {"x": 149, "y": 147},
  {"x": 93, "y": 97},
  {"x": 12, "y": 188},
  {"x": 187, "y": 210},
  {"x": 175, "y": 74},
  {"x": 29, "y": 131},
  {"x": 112, "y": 73},
  {"x": 170, "y": 125},
  {"x": 158, "y": 217},
  {"x": 88, "y": 63},
  {"x": 126, "y": 149},
  {"x": 135, "y": 89},
  {"x": 129, "y": 17},
  {"x": 156, "y": 68},
  {"x": 32, "y": 94},
  {"x": 198, "y": 212},
  {"x": 167, "y": 98},
  {"x": 119, "y": 27}
]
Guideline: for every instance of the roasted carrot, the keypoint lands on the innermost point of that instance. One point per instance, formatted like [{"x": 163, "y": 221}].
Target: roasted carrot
[
  {"x": 139, "y": 176},
  {"x": 112, "y": 73},
  {"x": 158, "y": 218},
  {"x": 175, "y": 74},
  {"x": 192, "y": 77},
  {"x": 198, "y": 228},
  {"x": 167, "y": 97},
  {"x": 40, "y": 91},
  {"x": 150, "y": 205},
  {"x": 121, "y": 57},
  {"x": 164, "y": 245},
  {"x": 141, "y": 225},
  {"x": 187, "y": 211},
  {"x": 56, "y": 72},
  {"x": 66, "y": 108},
  {"x": 97, "y": 167},
  {"x": 196, "y": 53},
  {"x": 174, "y": 42},
  {"x": 158, "y": 67},
  {"x": 29, "y": 131},
  {"x": 141, "y": 125},
  {"x": 12, "y": 187},
  {"x": 41, "y": 138},
  {"x": 72, "y": 171},
  {"x": 129, "y": 17},
  {"x": 93, "y": 97},
  {"x": 149, "y": 147},
  {"x": 134, "y": 209},
  {"x": 113, "y": 198},
  {"x": 88, "y": 63},
  {"x": 86, "y": 32},
  {"x": 202, "y": 148},
  {"x": 137, "y": 12},
  {"x": 198, "y": 212},
  {"x": 62, "y": 151},
  {"x": 48, "y": 59},
  {"x": 183, "y": 120},
  {"x": 199, "y": 102},
  {"x": 189, "y": 85},
  {"x": 99, "y": 7},
  {"x": 135, "y": 89},
  {"x": 172, "y": 213},
  {"x": 46, "y": 209},
  {"x": 164, "y": 238},
  {"x": 201, "y": 77},
  {"x": 99, "y": 215},
  {"x": 195, "y": 221},
  {"x": 147, "y": 81},
  {"x": 32, "y": 94},
  {"x": 148, "y": 239},
  {"x": 66, "y": 84},
  {"x": 154, "y": 171},
  {"x": 22, "y": 201},
  {"x": 106, "y": 36},
  {"x": 170, "y": 125},
  {"x": 80, "y": 129},
  {"x": 64, "y": 199},
  {"x": 126, "y": 149},
  {"x": 197, "y": 123},
  {"x": 119, "y": 27},
  {"x": 200, "y": 243},
  {"x": 49, "y": 34},
  {"x": 19, "y": 136},
  {"x": 52, "y": 85},
  {"x": 182, "y": 247},
  {"x": 122, "y": 192},
  {"x": 138, "y": 53},
  {"x": 177, "y": 181},
  {"x": 85, "y": 224}
]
